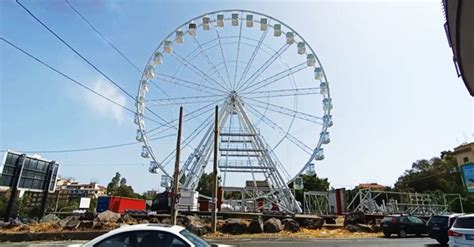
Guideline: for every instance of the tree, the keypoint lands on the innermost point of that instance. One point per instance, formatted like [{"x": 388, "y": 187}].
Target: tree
[
  {"x": 113, "y": 186},
  {"x": 118, "y": 187},
  {"x": 437, "y": 175},
  {"x": 205, "y": 184},
  {"x": 311, "y": 183}
]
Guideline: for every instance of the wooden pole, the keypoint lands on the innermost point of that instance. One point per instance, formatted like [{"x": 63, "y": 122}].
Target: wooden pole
[
  {"x": 174, "y": 206},
  {"x": 214, "y": 174}
]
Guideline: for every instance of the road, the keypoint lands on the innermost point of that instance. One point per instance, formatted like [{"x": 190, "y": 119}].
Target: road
[{"x": 382, "y": 242}]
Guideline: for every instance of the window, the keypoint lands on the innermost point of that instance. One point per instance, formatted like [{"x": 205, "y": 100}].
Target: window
[
  {"x": 143, "y": 239},
  {"x": 415, "y": 220},
  {"x": 119, "y": 240},
  {"x": 464, "y": 222},
  {"x": 158, "y": 238},
  {"x": 404, "y": 219},
  {"x": 441, "y": 220},
  {"x": 465, "y": 160},
  {"x": 197, "y": 241}
]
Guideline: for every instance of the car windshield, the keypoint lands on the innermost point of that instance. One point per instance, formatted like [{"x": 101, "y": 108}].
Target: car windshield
[
  {"x": 465, "y": 222},
  {"x": 197, "y": 241},
  {"x": 438, "y": 220},
  {"x": 387, "y": 219}
]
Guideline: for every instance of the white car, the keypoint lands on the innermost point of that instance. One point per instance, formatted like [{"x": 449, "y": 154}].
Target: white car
[
  {"x": 462, "y": 232},
  {"x": 149, "y": 235}
]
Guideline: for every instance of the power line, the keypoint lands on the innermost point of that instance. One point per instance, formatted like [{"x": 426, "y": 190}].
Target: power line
[
  {"x": 88, "y": 149},
  {"x": 109, "y": 42},
  {"x": 83, "y": 58},
  {"x": 103, "y": 37},
  {"x": 70, "y": 78},
  {"x": 66, "y": 76}
]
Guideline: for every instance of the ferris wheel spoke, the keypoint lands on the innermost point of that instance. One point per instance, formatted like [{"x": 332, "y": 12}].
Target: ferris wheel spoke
[
  {"x": 276, "y": 77},
  {"x": 265, "y": 66},
  {"x": 282, "y": 92},
  {"x": 222, "y": 54},
  {"x": 193, "y": 68},
  {"x": 187, "y": 141},
  {"x": 163, "y": 100},
  {"x": 238, "y": 52},
  {"x": 252, "y": 57},
  {"x": 281, "y": 130},
  {"x": 196, "y": 86},
  {"x": 189, "y": 116},
  {"x": 285, "y": 111},
  {"x": 209, "y": 61}
]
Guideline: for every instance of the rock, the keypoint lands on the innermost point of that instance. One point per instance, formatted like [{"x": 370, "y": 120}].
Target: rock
[
  {"x": 234, "y": 226},
  {"x": 108, "y": 216},
  {"x": 86, "y": 224},
  {"x": 72, "y": 224},
  {"x": 256, "y": 225},
  {"x": 272, "y": 225},
  {"x": 29, "y": 220},
  {"x": 166, "y": 221},
  {"x": 375, "y": 228},
  {"x": 63, "y": 222},
  {"x": 49, "y": 218},
  {"x": 88, "y": 216},
  {"x": 97, "y": 225},
  {"x": 291, "y": 225},
  {"x": 143, "y": 221},
  {"x": 154, "y": 220},
  {"x": 198, "y": 229},
  {"x": 129, "y": 219},
  {"x": 15, "y": 222},
  {"x": 357, "y": 228},
  {"x": 313, "y": 223},
  {"x": 189, "y": 219},
  {"x": 354, "y": 218}
]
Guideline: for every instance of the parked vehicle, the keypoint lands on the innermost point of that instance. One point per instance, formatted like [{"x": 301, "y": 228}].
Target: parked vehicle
[
  {"x": 438, "y": 226},
  {"x": 402, "y": 225},
  {"x": 462, "y": 231},
  {"x": 120, "y": 204},
  {"x": 148, "y": 235}
]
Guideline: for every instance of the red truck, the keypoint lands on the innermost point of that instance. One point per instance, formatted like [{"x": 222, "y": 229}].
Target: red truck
[{"x": 120, "y": 204}]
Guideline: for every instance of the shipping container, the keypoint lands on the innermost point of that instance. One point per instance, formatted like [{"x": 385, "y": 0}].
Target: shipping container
[
  {"x": 102, "y": 204},
  {"x": 121, "y": 204}
]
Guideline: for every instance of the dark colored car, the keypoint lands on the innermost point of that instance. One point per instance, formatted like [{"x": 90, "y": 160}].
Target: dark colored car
[
  {"x": 438, "y": 226},
  {"x": 402, "y": 225}
]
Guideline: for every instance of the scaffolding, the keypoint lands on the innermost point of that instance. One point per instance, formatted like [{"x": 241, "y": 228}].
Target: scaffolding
[{"x": 390, "y": 202}]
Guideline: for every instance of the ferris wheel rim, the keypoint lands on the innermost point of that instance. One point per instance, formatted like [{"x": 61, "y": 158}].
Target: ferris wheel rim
[{"x": 327, "y": 112}]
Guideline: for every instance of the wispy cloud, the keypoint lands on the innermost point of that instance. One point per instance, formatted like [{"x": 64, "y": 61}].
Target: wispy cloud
[{"x": 102, "y": 106}]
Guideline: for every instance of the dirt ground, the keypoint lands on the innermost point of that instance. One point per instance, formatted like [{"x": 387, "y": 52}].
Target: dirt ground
[{"x": 304, "y": 233}]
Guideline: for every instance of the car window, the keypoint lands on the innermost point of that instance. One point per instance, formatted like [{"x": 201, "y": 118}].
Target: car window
[
  {"x": 158, "y": 238},
  {"x": 387, "y": 219},
  {"x": 439, "y": 220},
  {"x": 197, "y": 241},
  {"x": 126, "y": 239},
  {"x": 415, "y": 220},
  {"x": 404, "y": 220},
  {"x": 464, "y": 222}
]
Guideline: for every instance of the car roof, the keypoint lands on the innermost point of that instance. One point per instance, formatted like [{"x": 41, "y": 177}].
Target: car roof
[
  {"x": 153, "y": 227},
  {"x": 466, "y": 216}
]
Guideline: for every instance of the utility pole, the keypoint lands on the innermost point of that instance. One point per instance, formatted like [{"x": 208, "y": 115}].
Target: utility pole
[
  {"x": 214, "y": 174},
  {"x": 174, "y": 206}
]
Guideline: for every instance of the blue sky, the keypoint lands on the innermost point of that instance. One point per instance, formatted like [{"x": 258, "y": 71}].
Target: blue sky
[{"x": 396, "y": 95}]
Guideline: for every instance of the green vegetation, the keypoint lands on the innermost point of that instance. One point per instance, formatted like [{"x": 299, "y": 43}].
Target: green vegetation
[{"x": 118, "y": 187}]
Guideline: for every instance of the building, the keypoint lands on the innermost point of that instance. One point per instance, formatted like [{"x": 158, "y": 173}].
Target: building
[
  {"x": 464, "y": 154},
  {"x": 372, "y": 186},
  {"x": 458, "y": 27}
]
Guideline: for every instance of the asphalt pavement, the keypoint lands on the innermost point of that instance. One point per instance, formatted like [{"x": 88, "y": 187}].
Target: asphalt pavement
[{"x": 382, "y": 242}]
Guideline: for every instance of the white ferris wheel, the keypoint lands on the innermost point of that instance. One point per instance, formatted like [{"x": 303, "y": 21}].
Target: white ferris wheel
[{"x": 271, "y": 89}]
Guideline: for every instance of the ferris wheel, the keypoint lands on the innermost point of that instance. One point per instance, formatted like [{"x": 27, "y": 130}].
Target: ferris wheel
[{"x": 271, "y": 90}]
